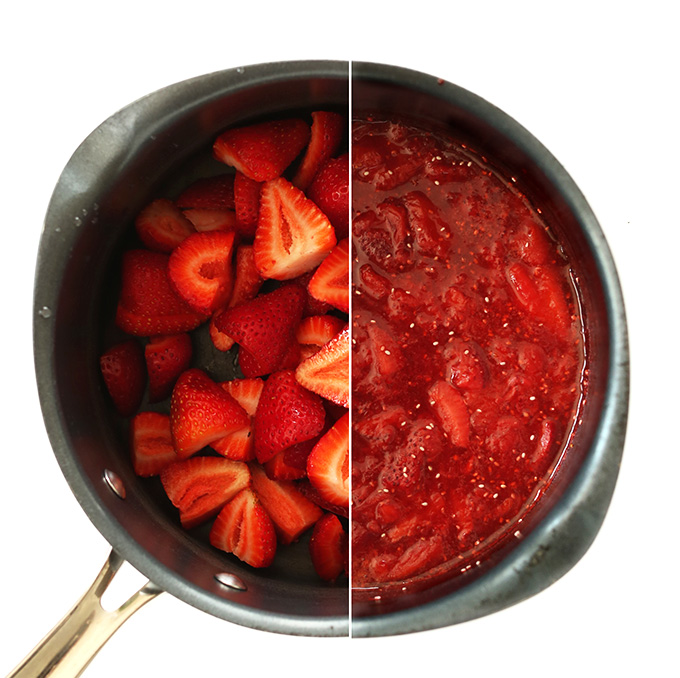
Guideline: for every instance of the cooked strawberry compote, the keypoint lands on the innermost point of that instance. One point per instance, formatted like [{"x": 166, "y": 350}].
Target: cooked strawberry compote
[{"x": 468, "y": 355}]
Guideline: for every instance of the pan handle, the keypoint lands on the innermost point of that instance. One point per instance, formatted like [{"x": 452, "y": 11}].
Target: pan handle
[{"x": 72, "y": 644}]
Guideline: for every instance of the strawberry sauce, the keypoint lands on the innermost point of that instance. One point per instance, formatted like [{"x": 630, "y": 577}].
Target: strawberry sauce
[{"x": 468, "y": 356}]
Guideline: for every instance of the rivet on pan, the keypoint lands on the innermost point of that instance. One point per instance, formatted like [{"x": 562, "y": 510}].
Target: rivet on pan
[
  {"x": 231, "y": 581},
  {"x": 114, "y": 482}
]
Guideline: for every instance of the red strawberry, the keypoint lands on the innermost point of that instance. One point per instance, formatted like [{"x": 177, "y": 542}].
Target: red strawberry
[
  {"x": 212, "y": 193},
  {"x": 211, "y": 220},
  {"x": 291, "y": 463},
  {"x": 327, "y": 131},
  {"x": 293, "y": 235},
  {"x": 201, "y": 412},
  {"x": 201, "y": 270},
  {"x": 318, "y": 330},
  {"x": 246, "y": 204},
  {"x": 264, "y": 327},
  {"x": 328, "y": 547},
  {"x": 262, "y": 151},
  {"x": 148, "y": 304},
  {"x": 326, "y": 372},
  {"x": 124, "y": 372},
  {"x": 201, "y": 486},
  {"x": 287, "y": 414},
  {"x": 330, "y": 191},
  {"x": 312, "y": 306},
  {"x": 449, "y": 404},
  {"x": 306, "y": 488},
  {"x": 330, "y": 282},
  {"x": 161, "y": 226},
  {"x": 151, "y": 443},
  {"x": 244, "y": 529},
  {"x": 167, "y": 356},
  {"x": 328, "y": 464},
  {"x": 291, "y": 512}
]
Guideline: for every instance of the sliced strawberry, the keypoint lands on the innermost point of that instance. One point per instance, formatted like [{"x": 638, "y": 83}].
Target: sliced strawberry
[
  {"x": 201, "y": 411},
  {"x": 328, "y": 464},
  {"x": 246, "y": 392},
  {"x": 291, "y": 512},
  {"x": 244, "y": 529},
  {"x": 148, "y": 304},
  {"x": 318, "y": 330},
  {"x": 330, "y": 282},
  {"x": 450, "y": 406},
  {"x": 327, "y": 131},
  {"x": 328, "y": 547},
  {"x": 327, "y": 371},
  {"x": 291, "y": 463},
  {"x": 246, "y": 204},
  {"x": 151, "y": 443},
  {"x": 201, "y": 486},
  {"x": 211, "y": 219},
  {"x": 330, "y": 191},
  {"x": 264, "y": 327},
  {"x": 124, "y": 372},
  {"x": 306, "y": 488},
  {"x": 161, "y": 226},
  {"x": 293, "y": 235},
  {"x": 201, "y": 270},
  {"x": 262, "y": 151},
  {"x": 167, "y": 356},
  {"x": 287, "y": 414},
  {"x": 211, "y": 193}
]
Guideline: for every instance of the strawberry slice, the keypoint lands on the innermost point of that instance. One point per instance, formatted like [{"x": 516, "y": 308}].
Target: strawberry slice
[
  {"x": 201, "y": 411},
  {"x": 328, "y": 547},
  {"x": 167, "y": 356},
  {"x": 330, "y": 191},
  {"x": 450, "y": 406},
  {"x": 287, "y": 414},
  {"x": 318, "y": 330},
  {"x": 291, "y": 463},
  {"x": 151, "y": 443},
  {"x": 244, "y": 529},
  {"x": 328, "y": 464},
  {"x": 124, "y": 372},
  {"x": 161, "y": 226},
  {"x": 211, "y": 219},
  {"x": 330, "y": 282},
  {"x": 326, "y": 372},
  {"x": 201, "y": 270},
  {"x": 246, "y": 204},
  {"x": 201, "y": 486},
  {"x": 293, "y": 235},
  {"x": 211, "y": 193},
  {"x": 327, "y": 131},
  {"x": 291, "y": 512},
  {"x": 262, "y": 151}
]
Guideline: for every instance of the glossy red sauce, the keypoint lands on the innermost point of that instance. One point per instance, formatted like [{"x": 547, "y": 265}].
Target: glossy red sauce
[{"x": 468, "y": 355}]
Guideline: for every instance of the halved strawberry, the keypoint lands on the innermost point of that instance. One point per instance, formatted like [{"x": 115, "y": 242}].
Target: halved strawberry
[
  {"x": 291, "y": 463},
  {"x": 449, "y": 404},
  {"x": 161, "y": 226},
  {"x": 330, "y": 282},
  {"x": 326, "y": 372},
  {"x": 262, "y": 151},
  {"x": 201, "y": 270},
  {"x": 293, "y": 235},
  {"x": 244, "y": 529},
  {"x": 211, "y": 220},
  {"x": 201, "y": 411},
  {"x": 330, "y": 191},
  {"x": 151, "y": 445},
  {"x": 327, "y": 131},
  {"x": 167, "y": 356},
  {"x": 318, "y": 330},
  {"x": 328, "y": 547},
  {"x": 199, "y": 487},
  {"x": 291, "y": 512},
  {"x": 328, "y": 464},
  {"x": 212, "y": 193},
  {"x": 246, "y": 204},
  {"x": 124, "y": 372}
]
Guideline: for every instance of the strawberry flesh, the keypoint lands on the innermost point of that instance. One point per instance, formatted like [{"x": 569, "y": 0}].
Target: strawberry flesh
[
  {"x": 330, "y": 191},
  {"x": 328, "y": 464},
  {"x": 212, "y": 193},
  {"x": 151, "y": 443},
  {"x": 327, "y": 131},
  {"x": 328, "y": 547},
  {"x": 330, "y": 282},
  {"x": 161, "y": 226}
]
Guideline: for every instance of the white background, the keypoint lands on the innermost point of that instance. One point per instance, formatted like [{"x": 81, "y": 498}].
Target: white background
[{"x": 596, "y": 82}]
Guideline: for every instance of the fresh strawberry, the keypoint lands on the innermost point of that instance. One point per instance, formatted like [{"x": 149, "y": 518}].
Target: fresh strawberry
[
  {"x": 318, "y": 330},
  {"x": 151, "y": 443},
  {"x": 148, "y": 304},
  {"x": 312, "y": 306},
  {"x": 211, "y": 219},
  {"x": 328, "y": 464},
  {"x": 262, "y": 151},
  {"x": 327, "y": 131},
  {"x": 199, "y": 487},
  {"x": 449, "y": 404},
  {"x": 291, "y": 512},
  {"x": 306, "y": 488},
  {"x": 264, "y": 327},
  {"x": 330, "y": 191},
  {"x": 330, "y": 282},
  {"x": 326, "y": 373},
  {"x": 167, "y": 356},
  {"x": 293, "y": 235},
  {"x": 201, "y": 411},
  {"x": 124, "y": 372},
  {"x": 161, "y": 226},
  {"x": 212, "y": 193},
  {"x": 328, "y": 547},
  {"x": 246, "y": 204},
  {"x": 291, "y": 463},
  {"x": 287, "y": 414},
  {"x": 201, "y": 270},
  {"x": 244, "y": 529}
]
